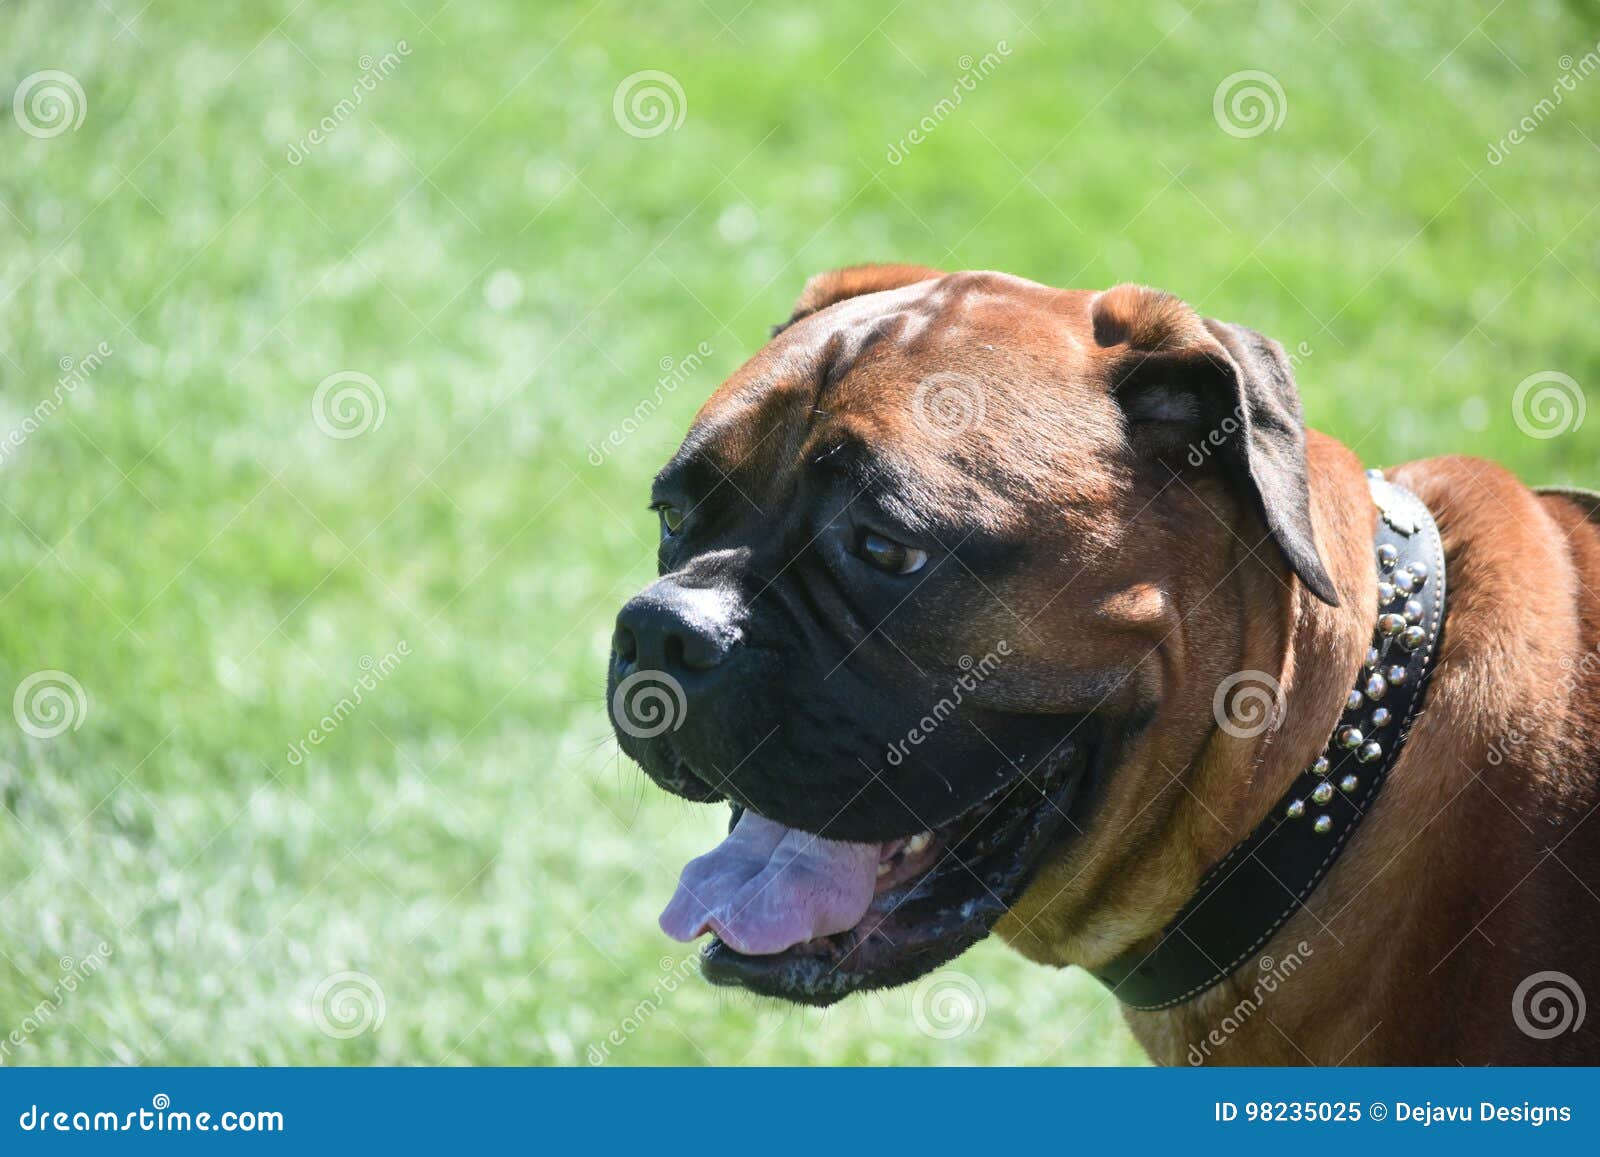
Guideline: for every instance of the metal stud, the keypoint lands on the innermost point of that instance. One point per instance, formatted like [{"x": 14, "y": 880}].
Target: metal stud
[
  {"x": 1391, "y": 624},
  {"x": 1349, "y": 784},
  {"x": 1387, "y": 556},
  {"x": 1413, "y": 637},
  {"x": 1413, "y": 611},
  {"x": 1373, "y": 657},
  {"x": 1396, "y": 676},
  {"x": 1296, "y": 809},
  {"x": 1323, "y": 793},
  {"x": 1370, "y": 752},
  {"x": 1321, "y": 766},
  {"x": 1404, "y": 583},
  {"x": 1349, "y": 737},
  {"x": 1323, "y": 826},
  {"x": 1377, "y": 686},
  {"x": 1386, "y": 593},
  {"x": 1381, "y": 717},
  {"x": 1353, "y": 701},
  {"x": 1419, "y": 570}
]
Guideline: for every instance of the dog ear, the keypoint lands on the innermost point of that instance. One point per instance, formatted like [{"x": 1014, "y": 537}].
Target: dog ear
[
  {"x": 836, "y": 285},
  {"x": 1214, "y": 391}
]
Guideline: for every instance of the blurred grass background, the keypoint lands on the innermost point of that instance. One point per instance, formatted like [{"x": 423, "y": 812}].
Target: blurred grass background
[{"x": 511, "y": 268}]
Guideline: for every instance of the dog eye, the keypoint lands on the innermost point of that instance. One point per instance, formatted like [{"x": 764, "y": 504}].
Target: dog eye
[
  {"x": 671, "y": 518},
  {"x": 890, "y": 556}
]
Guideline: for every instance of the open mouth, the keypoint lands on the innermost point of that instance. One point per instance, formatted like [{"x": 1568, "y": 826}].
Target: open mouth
[{"x": 811, "y": 920}]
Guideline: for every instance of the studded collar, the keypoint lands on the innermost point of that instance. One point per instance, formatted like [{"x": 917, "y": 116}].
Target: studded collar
[{"x": 1266, "y": 878}]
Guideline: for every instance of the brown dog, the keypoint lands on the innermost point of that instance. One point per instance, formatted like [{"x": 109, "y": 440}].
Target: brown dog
[{"x": 922, "y": 468}]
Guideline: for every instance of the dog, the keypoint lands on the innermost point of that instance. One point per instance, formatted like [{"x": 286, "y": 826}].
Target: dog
[{"x": 952, "y": 571}]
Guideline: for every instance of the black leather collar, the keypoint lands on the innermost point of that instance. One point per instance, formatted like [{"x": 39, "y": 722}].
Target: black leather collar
[{"x": 1265, "y": 879}]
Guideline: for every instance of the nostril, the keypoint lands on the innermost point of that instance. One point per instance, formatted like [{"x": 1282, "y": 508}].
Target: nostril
[
  {"x": 674, "y": 629},
  {"x": 624, "y": 644},
  {"x": 701, "y": 652}
]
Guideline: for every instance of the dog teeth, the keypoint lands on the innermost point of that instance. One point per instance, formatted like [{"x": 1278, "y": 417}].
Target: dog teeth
[
  {"x": 918, "y": 842},
  {"x": 884, "y": 868}
]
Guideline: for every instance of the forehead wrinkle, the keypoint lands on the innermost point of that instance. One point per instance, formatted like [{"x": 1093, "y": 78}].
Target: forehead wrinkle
[
  {"x": 923, "y": 494},
  {"x": 794, "y": 379},
  {"x": 860, "y": 361},
  {"x": 762, "y": 418},
  {"x": 756, "y": 420}
]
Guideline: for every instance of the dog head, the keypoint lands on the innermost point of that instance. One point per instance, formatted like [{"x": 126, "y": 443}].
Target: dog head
[{"x": 947, "y": 570}]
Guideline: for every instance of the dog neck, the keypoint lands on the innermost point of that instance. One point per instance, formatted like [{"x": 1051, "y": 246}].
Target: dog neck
[
  {"x": 1207, "y": 788},
  {"x": 1266, "y": 878},
  {"x": 1317, "y": 657}
]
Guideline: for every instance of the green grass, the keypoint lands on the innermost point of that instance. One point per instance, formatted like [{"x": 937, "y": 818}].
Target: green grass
[{"x": 483, "y": 240}]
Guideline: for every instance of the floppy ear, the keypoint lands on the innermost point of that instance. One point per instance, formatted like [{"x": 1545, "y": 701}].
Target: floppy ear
[
  {"x": 1216, "y": 392},
  {"x": 825, "y": 289}
]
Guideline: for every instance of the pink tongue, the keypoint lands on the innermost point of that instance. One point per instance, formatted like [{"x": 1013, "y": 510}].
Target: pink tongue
[{"x": 767, "y": 887}]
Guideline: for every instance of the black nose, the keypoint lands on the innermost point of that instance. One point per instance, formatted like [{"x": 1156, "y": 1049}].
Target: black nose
[{"x": 675, "y": 628}]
